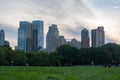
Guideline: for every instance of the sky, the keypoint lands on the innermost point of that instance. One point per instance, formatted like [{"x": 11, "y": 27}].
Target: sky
[{"x": 71, "y": 16}]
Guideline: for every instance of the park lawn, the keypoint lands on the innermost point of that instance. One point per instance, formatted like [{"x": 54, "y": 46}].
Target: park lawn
[{"x": 59, "y": 73}]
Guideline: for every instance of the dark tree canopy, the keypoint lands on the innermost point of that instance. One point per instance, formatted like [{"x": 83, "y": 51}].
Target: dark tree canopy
[{"x": 65, "y": 55}]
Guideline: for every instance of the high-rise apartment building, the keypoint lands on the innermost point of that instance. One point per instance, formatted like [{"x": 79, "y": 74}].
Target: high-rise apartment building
[
  {"x": 2, "y": 37},
  {"x": 52, "y": 41},
  {"x": 98, "y": 37},
  {"x": 85, "y": 38},
  {"x": 40, "y": 28}
]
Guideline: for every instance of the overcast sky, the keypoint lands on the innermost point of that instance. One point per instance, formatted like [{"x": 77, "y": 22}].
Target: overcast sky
[{"x": 71, "y": 16}]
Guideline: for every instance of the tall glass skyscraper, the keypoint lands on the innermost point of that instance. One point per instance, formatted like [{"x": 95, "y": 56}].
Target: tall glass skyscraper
[
  {"x": 35, "y": 37},
  {"x": 30, "y": 36},
  {"x": 21, "y": 39},
  {"x": 25, "y": 36},
  {"x": 2, "y": 37},
  {"x": 40, "y": 27}
]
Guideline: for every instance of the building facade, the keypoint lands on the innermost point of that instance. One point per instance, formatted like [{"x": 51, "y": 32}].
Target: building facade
[
  {"x": 98, "y": 37},
  {"x": 74, "y": 42},
  {"x": 61, "y": 40},
  {"x": 40, "y": 28},
  {"x": 34, "y": 38},
  {"x": 85, "y": 38},
  {"x": 52, "y": 38},
  {"x": 2, "y": 37},
  {"x": 27, "y": 37}
]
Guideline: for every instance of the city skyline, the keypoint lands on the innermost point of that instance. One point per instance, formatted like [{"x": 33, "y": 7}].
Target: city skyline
[{"x": 70, "y": 16}]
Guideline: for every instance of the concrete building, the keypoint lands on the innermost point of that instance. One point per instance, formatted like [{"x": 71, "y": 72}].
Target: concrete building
[
  {"x": 98, "y": 37},
  {"x": 61, "y": 40},
  {"x": 52, "y": 40},
  {"x": 85, "y": 38},
  {"x": 74, "y": 43},
  {"x": 2, "y": 37},
  {"x": 40, "y": 27}
]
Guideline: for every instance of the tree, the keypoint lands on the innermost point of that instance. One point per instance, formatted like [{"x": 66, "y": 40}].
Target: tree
[
  {"x": 31, "y": 59},
  {"x": 102, "y": 56},
  {"x": 68, "y": 53},
  {"x": 114, "y": 50},
  {"x": 19, "y": 59},
  {"x": 86, "y": 56},
  {"x": 38, "y": 58},
  {"x": 55, "y": 59},
  {"x": 3, "y": 61}
]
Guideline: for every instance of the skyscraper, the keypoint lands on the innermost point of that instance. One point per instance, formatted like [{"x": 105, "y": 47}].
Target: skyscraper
[
  {"x": 34, "y": 38},
  {"x": 27, "y": 37},
  {"x": 40, "y": 27},
  {"x": 84, "y": 38},
  {"x": 2, "y": 37},
  {"x": 98, "y": 37},
  {"x": 52, "y": 38}
]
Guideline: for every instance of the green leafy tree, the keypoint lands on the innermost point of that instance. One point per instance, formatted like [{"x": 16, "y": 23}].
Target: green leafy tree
[
  {"x": 19, "y": 59},
  {"x": 3, "y": 61},
  {"x": 68, "y": 53},
  {"x": 55, "y": 59},
  {"x": 38, "y": 58}
]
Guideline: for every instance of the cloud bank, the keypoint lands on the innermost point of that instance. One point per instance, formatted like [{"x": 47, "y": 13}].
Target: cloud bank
[{"x": 71, "y": 16}]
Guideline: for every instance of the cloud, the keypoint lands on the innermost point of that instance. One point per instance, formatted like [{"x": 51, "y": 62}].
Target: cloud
[
  {"x": 116, "y": 7},
  {"x": 70, "y": 16},
  {"x": 10, "y": 33}
]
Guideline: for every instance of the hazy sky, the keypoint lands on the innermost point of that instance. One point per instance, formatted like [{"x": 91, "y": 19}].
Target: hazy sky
[{"x": 71, "y": 16}]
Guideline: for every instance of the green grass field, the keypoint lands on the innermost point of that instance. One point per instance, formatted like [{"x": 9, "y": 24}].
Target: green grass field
[{"x": 59, "y": 73}]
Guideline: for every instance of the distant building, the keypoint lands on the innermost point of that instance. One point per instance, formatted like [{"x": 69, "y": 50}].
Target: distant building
[
  {"x": 85, "y": 38},
  {"x": 98, "y": 37},
  {"x": 74, "y": 43},
  {"x": 61, "y": 40},
  {"x": 52, "y": 40},
  {"x": 34, "y": 38},
  {"x": 7, "y": 43},
  {"x": 40, "y": 28},
  {"x": 2, "y": 37},
  {"x": 25, "y": 36},
  {"x": 28, "y": 34}
]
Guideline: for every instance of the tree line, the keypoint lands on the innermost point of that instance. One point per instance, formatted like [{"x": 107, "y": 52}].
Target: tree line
[{"x": 64, "y": 55}]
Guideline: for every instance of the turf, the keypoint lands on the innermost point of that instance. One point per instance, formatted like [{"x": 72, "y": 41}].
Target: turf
[{"x": 59, "y": 73}]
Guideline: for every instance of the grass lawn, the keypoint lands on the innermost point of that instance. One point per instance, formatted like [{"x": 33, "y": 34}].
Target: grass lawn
[{"x": 59, "y": 73}]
